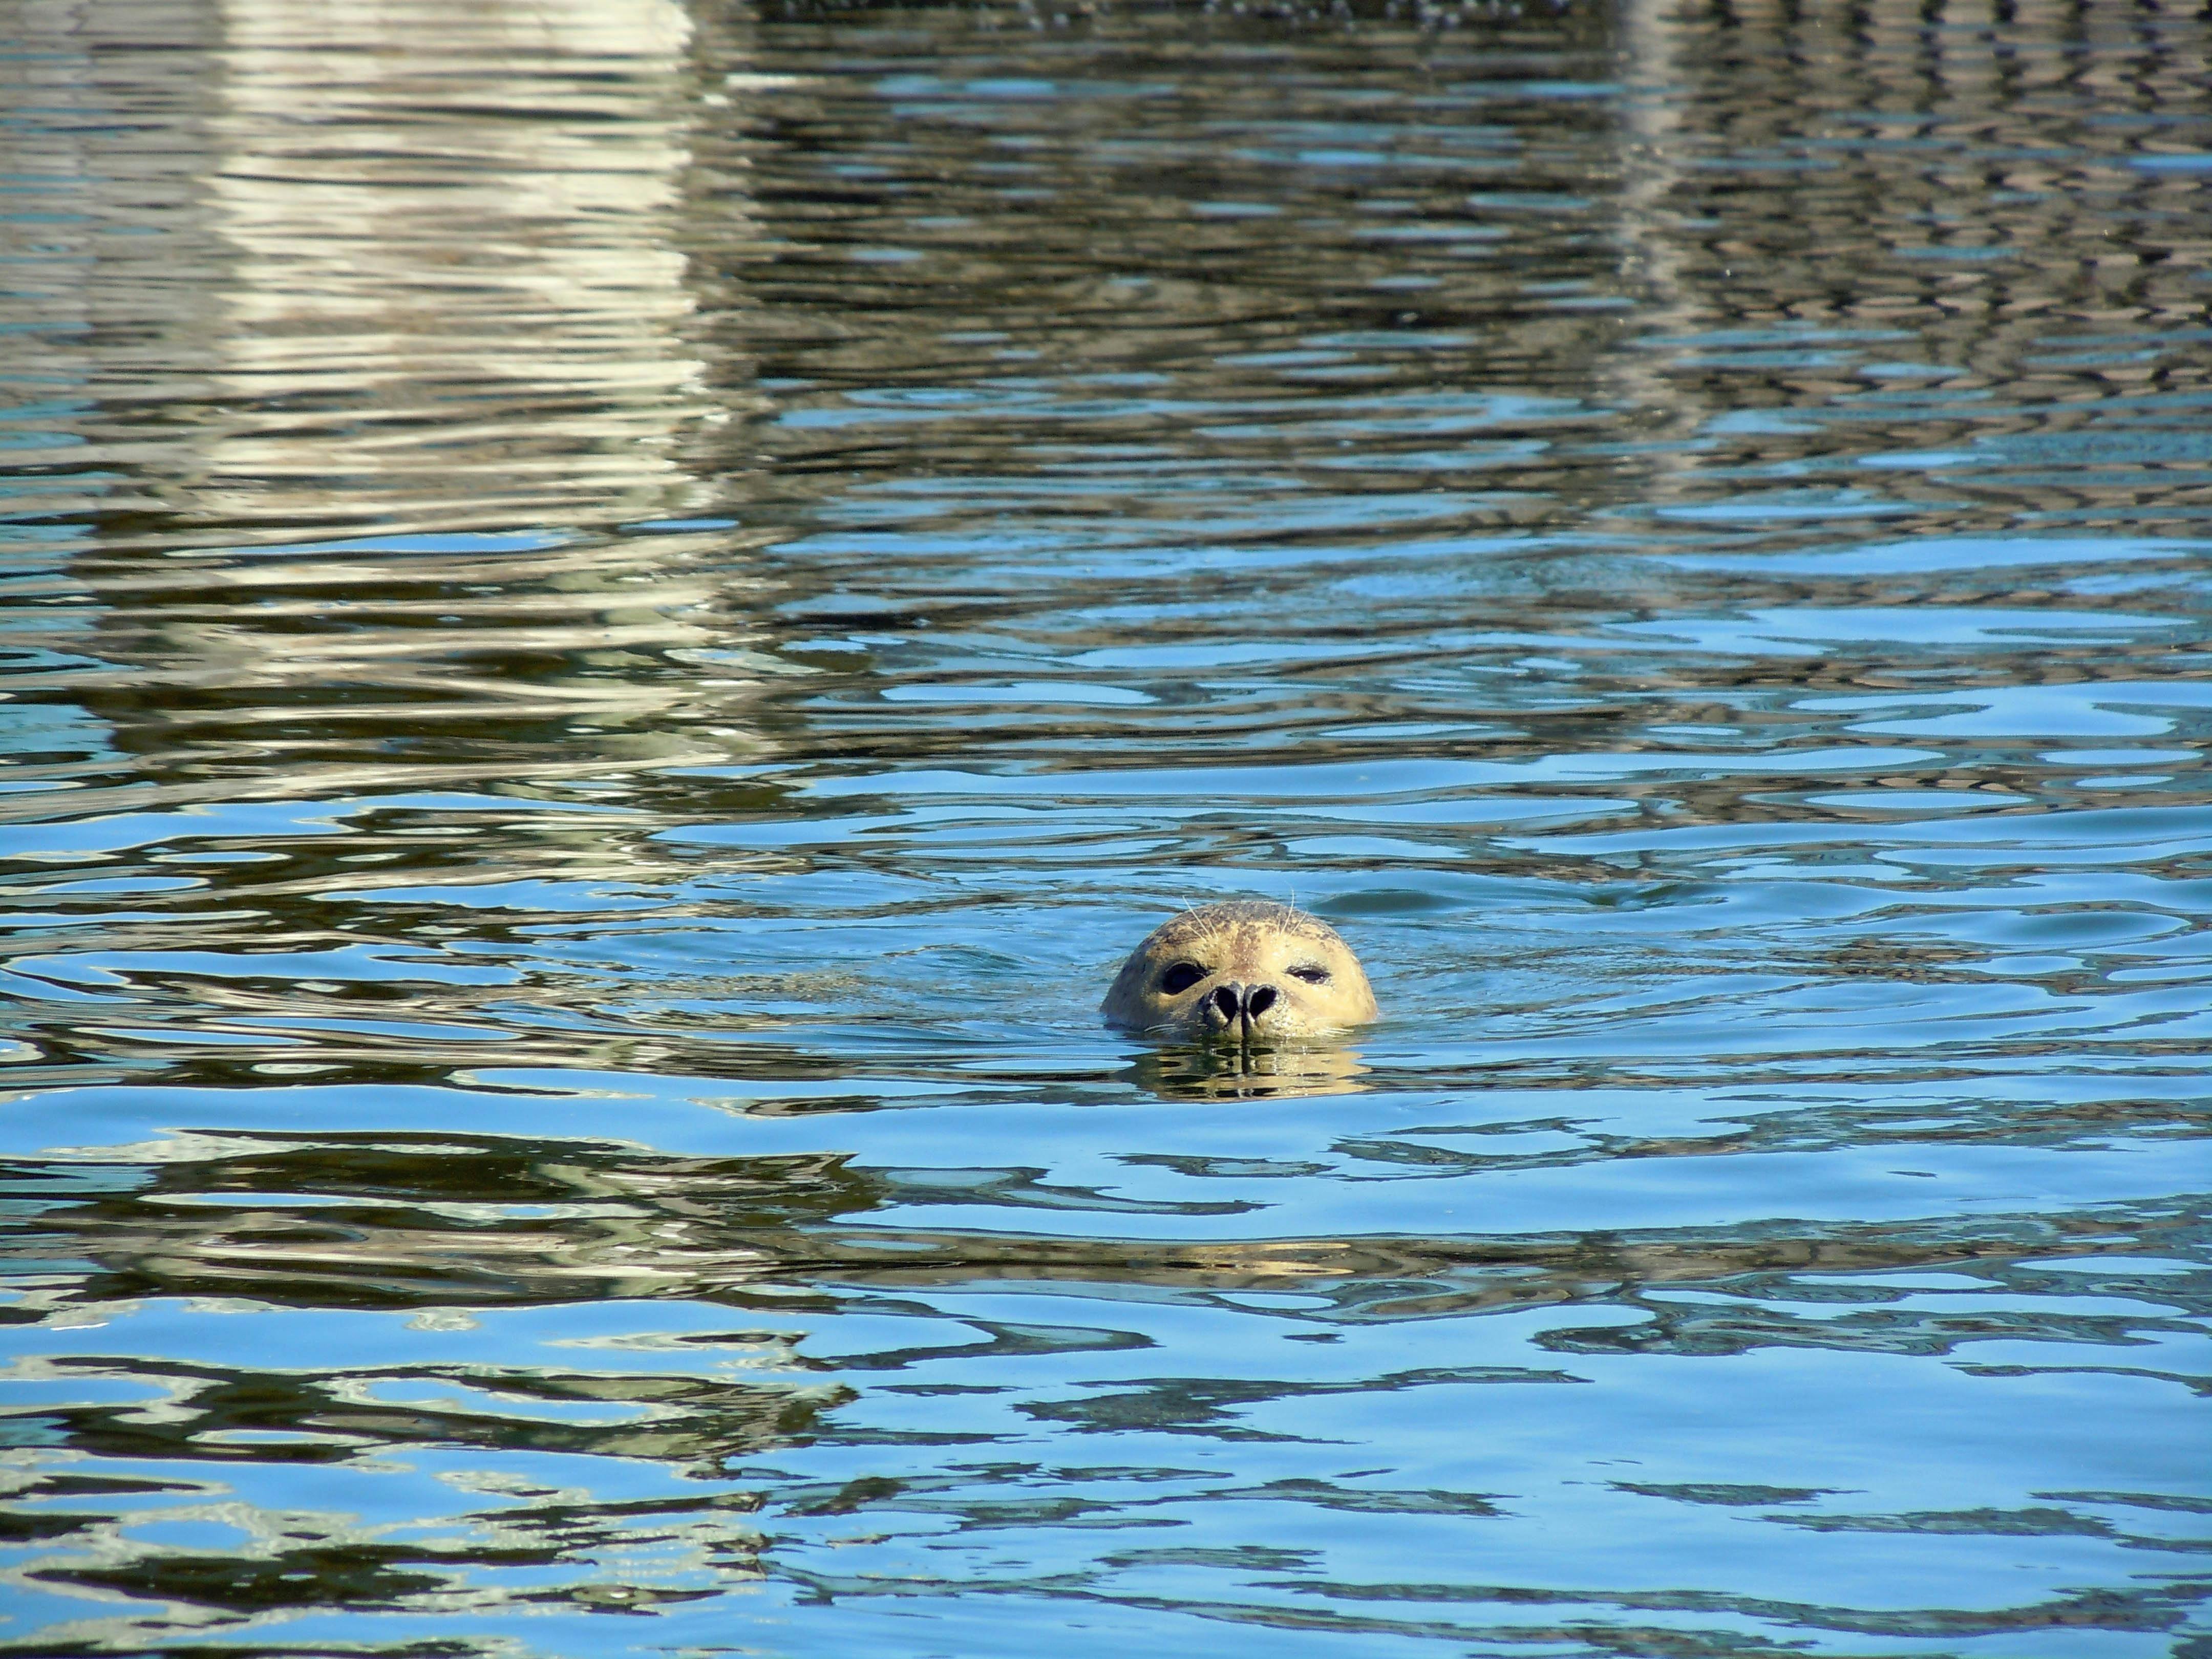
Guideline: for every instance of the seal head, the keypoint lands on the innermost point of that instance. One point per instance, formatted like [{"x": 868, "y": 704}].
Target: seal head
[{"x": 1244, "y": 972}]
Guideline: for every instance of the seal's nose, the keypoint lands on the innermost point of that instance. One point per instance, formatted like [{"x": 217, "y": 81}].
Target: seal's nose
[{"x": 1231, "y": 1001}]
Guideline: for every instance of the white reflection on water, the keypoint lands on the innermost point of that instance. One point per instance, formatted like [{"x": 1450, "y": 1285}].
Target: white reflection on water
[{"x": 510, "y": 280}]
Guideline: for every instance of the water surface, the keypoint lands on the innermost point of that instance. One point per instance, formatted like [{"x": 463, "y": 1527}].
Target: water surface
[{"x": 615, "y": 614}]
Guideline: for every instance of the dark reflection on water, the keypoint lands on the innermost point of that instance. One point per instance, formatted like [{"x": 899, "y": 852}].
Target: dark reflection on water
[{"x": 615, "y": 615}]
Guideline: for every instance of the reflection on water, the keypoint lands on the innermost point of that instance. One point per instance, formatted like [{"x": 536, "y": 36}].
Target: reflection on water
[
  {"x": 617, "y": 614},
  {"x": 1219, "y": 1071},
  {"x": 474, "y": 233},
  {"x": 436, "y": 319}
]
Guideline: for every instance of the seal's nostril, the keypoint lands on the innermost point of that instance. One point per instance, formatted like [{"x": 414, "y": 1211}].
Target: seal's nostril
[
  {"x": 1227, "y": 1000},
  {"x": 1258, "y": 1001}
]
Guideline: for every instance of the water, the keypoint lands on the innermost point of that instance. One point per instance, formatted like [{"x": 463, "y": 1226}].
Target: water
[{"x": 616, "y": 617}]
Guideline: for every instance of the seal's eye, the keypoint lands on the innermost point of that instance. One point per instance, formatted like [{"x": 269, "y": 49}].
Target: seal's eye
[
  {"x": 1312, "y": 972},
  {"x": 1180, "y": 977}
]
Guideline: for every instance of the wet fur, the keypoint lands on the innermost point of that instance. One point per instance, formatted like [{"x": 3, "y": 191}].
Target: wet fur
[{"x": 1248, "y": 942}]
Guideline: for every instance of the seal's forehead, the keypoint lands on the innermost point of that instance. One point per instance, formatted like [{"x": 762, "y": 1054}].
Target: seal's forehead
[{"x": 1251, "y": 916}]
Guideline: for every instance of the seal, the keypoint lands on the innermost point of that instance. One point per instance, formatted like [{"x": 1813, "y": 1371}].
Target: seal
[{"x": 1247, "y": 971}]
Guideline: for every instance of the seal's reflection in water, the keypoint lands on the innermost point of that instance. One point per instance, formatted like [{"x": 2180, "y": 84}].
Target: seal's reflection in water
[{"x": 1230, "y": 1071}]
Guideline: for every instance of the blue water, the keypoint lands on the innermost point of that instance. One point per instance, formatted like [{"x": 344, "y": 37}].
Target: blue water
[{"x": 616, "y": 615}]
